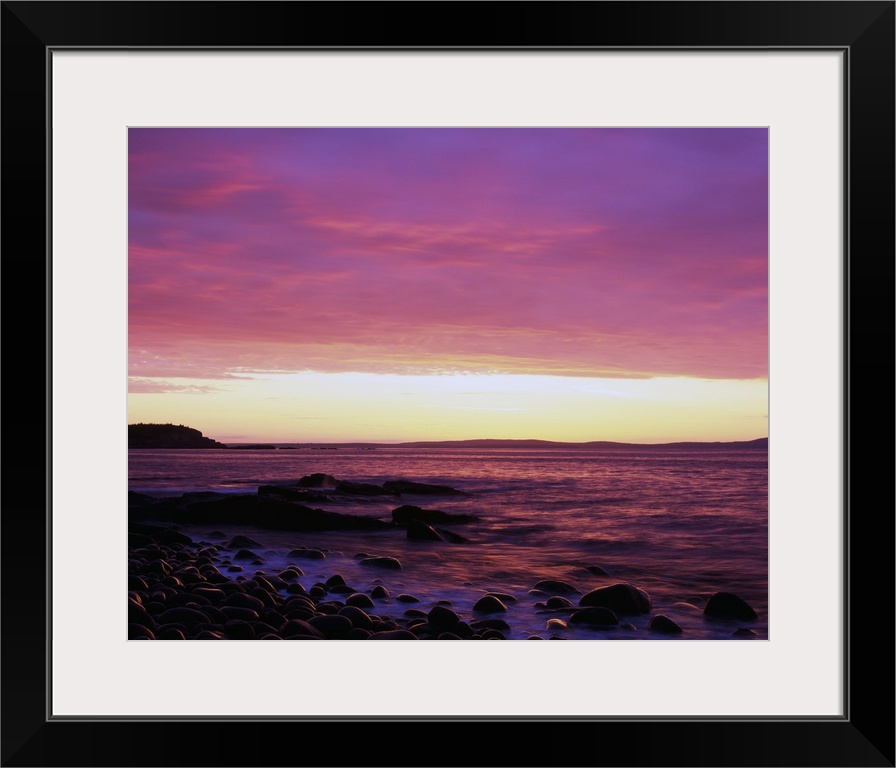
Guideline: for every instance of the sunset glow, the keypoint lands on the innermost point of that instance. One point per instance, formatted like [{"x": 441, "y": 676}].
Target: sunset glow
[{"x": 316, "y": 285}]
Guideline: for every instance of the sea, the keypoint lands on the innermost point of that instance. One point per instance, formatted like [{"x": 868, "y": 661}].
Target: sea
[{"x": 679, "y": 524}]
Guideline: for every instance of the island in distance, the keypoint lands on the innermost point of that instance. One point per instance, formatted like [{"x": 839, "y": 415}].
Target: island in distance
[{"x": 178, "y": 436}]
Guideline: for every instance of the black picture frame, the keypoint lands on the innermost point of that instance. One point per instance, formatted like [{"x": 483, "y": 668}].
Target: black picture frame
[{"x": 863, "y": 31}]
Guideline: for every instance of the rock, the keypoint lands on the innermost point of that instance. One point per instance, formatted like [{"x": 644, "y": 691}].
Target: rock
[
  {"x": 245, "y": 554},
  {"x": 333, "y": 627},
  {"x": 597, "y": 570},
  {"x": 308, "y": 554},
  {"x": 403, "y": 598},
  {"x": 491, "y": 624},
  {"x": 419, "y": 531},
  {"x": 595, "y": 616},
  {"x": 553, "y": 587},
  {"x": 237, "y": 629},
  {"x": 382, "y": 562},
  {"x": 451, "y": 536},
  {"x": 394, "y": 634},
  {"x": 359, "y": 600},
  {"x": 489, "y": 604},
  {"x": 555, "y": 624},
  {"x": 744, "y": 632},
  {"x": 242, "y": 600},
  {"x": 621, "y": 598},
  {"x": 318, "y": 480},
  {"x": 241, "y": 542},
  {"x": 379, "y": 592},
  {"x": 291, "y": 494},
  {"x": 424, "y": 489},
  {"x": 558, "y": 602},
  {"x": 140, "y": 632},
  {"x": 298, "y": 627},
  {"x": 442, "y": 619},
  {"x": 244, "y": 614},
  {"x": 336, "y": 580},
  {"x": 404, "y": 514},
  {"x": 356, "y": 616},
  {"x": 187, "y": 616},
  {"x": 664, "y": 624},
  {"x": 171, "y": 633},
  {"x": 729, "y": 605}
]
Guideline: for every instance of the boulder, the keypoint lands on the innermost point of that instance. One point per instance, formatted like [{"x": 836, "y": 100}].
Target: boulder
[
  {"x": 621, "y": 598},
  {"x": 664, "y": 625},
  {"x": 596, "y": 617},
  {"x": 424, "y": 489},
  {"x": 730, "y": 606},
  {"x": 407, "y": 512}
]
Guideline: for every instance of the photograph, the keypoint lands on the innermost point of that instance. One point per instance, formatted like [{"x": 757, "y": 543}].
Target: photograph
[
  {"x": 556, "y": 321},
  {"x": 448, "y": 383}
]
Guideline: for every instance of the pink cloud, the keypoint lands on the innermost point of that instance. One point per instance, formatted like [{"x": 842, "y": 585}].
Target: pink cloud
[{"x": 592, "y": 253}]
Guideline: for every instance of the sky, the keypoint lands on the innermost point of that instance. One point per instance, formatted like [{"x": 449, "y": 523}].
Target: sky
[{"x": 396, "y": 284}]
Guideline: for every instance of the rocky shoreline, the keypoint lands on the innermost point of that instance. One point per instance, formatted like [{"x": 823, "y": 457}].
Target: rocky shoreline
[{"x": 181, "y": 589}]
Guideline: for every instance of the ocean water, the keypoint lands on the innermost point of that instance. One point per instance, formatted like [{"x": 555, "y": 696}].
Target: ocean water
[{"x": 678, "y": 524}]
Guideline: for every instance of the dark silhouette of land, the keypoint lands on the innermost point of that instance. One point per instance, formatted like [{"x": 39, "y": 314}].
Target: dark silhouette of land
[
  {"x": 168, "y": 436},
  {"x": 179, "y": 436}
]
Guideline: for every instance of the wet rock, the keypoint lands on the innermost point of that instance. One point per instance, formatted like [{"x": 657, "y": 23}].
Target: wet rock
[
  {"x": 744, "y": 632},
  {"x": 382, "y": 562},
  {"x": 620, "y": 598},
  {"x": 594, "y": 616},
  {"x": 424, "y": 489},
  {"x": 409, "y": 512},
  {"x": 336, "y": 580},
  {"x": 359, "y": 600},
  {"x": 393, "y": 634},
  {"x": 245, "y": 614},
  {"x": 463, "y": 630},
  {"x": 318, "y": 480},
  {"x": 489, "y": 604},
  {"x": 356, "y": 616},
  {"x": 333, "y": 627},
  {"x": 729, "y": 605},
  {"x": 241, "y": 542},
  {"x": 379, "y": 592},
  {"x": 483, "y": 624},
  {"x": 246, "y": 554},
  {"x": 664, "y": 625},
  {"x": 307, "y": 554},
  {"x": 558, "y": 602},
  {"x": 171, "y": 633},
  {"x": 140, "y": 632},
  {"x": 419, "y": 531},
  {"x": 298, "y": 627},
  {"x": 596, "y": 570},
  {"x": 187, "y": 616},
  {"x": 554, "y": 587},
  {"x": 442, "y": 619},
  {"x": 555, "y": 624},
  {"x": 403, "y": 598},
  {"x": 237, "y": 629},
  {"x": 242, "y": 600}
]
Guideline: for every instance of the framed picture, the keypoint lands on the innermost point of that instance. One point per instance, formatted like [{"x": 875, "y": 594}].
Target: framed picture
[{"x": 86, "y": 86}]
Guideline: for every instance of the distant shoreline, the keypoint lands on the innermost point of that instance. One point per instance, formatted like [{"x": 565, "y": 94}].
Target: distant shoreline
[{"x": 758, "y": 444}]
